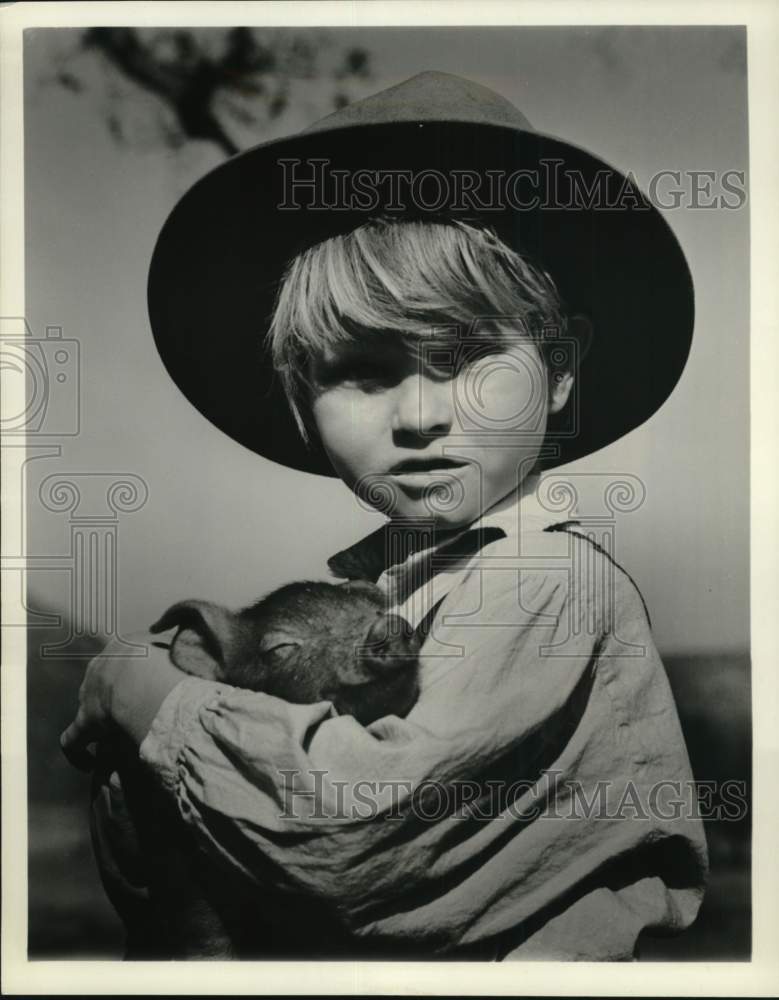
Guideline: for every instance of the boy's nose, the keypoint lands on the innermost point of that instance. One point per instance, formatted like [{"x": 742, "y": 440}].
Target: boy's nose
[{"x": 423, "y": 406}]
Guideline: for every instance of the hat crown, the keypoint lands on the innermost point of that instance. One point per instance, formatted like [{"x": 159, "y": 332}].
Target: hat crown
[{"x": 428, "y": 96}]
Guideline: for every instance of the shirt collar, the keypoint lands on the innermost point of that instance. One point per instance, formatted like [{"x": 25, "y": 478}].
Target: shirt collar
[{"x": 520, "y": 511}]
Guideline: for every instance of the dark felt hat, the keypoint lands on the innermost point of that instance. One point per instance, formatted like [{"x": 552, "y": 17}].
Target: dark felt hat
[{"x": 436, "y": 145}]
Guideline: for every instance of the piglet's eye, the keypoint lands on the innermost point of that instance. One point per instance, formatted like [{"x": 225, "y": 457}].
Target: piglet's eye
[{"x": 280, "y": 650}]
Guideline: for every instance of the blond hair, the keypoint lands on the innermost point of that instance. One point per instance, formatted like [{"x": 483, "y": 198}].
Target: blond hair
[{"x": 410, "y": 277}]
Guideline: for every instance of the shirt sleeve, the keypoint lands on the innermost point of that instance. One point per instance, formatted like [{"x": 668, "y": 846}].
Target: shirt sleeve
[{"x": 532, "y": 794}]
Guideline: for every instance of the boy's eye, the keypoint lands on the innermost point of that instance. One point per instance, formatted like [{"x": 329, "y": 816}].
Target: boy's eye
[
  {"x": 385, "y": 366},
  {"x": 470, "y": 354},
  {"x": 362, "y": 371},
  {"x": 451, "y": 361}
]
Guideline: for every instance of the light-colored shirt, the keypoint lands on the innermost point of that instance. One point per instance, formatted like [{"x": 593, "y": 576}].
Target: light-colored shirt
[{"x": 536, "y": 803}]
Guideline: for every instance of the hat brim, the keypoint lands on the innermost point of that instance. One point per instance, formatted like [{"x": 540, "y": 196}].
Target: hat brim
[{"x": 219, "y": 257}]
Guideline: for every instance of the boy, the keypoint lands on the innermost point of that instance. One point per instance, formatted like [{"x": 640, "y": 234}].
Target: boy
[{"x": 428, "y": 272}]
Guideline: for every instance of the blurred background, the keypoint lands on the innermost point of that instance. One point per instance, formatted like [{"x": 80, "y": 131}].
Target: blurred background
[{"x": 118, "y": 123}]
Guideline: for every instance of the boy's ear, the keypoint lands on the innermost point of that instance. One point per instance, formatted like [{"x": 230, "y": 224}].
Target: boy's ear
[
  {"x": 561, "y": 381},
  {"x": 560, "y": 385}
]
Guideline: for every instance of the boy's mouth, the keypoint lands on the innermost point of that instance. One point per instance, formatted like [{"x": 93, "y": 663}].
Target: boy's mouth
[{"x": 425, "y": 465}]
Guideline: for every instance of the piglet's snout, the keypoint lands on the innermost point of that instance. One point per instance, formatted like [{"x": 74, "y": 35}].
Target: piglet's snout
[{"x": 391, "y": 643}]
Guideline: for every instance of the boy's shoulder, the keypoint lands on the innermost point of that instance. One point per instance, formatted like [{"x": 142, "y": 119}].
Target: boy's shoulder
[
  {"x": 540, "y": 617},
  {"x": 559, "y": 567}
]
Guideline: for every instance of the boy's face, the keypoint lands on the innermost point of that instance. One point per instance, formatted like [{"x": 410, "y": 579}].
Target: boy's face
[{"x": 442, "y": 430}]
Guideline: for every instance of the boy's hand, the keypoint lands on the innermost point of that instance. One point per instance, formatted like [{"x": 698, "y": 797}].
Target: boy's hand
[
  {"x": 119, "y": 692},
  {"x": 93, "y": 719}
]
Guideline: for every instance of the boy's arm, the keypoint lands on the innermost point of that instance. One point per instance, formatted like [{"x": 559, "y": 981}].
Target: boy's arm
[
  {"x": 362, "y": 818},
  {"x": 120, "y": 691}
]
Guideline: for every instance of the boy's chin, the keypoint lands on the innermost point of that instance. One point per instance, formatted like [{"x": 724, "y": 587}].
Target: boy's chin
[{"x": 440, "y": 519}]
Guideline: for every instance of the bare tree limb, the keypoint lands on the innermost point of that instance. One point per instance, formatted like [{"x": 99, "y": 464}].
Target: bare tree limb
[
  {"x": 189, "y": 93},
  {"x": 203, "y": 83}
]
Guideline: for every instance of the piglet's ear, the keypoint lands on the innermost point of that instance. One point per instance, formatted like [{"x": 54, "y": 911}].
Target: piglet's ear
[
  {"x": 391, "y": 642},
  {"x": 205, "y": 637}
]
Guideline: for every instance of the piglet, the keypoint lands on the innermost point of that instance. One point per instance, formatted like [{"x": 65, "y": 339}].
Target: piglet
[{"x": 305, "y": 642}]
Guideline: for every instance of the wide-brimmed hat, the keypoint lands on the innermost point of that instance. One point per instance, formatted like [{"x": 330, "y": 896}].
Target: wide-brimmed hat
[{"x": 434, "y": 146}]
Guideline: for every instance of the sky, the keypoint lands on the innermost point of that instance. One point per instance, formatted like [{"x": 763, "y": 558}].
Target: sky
[{"x": 224, "y": 524}]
